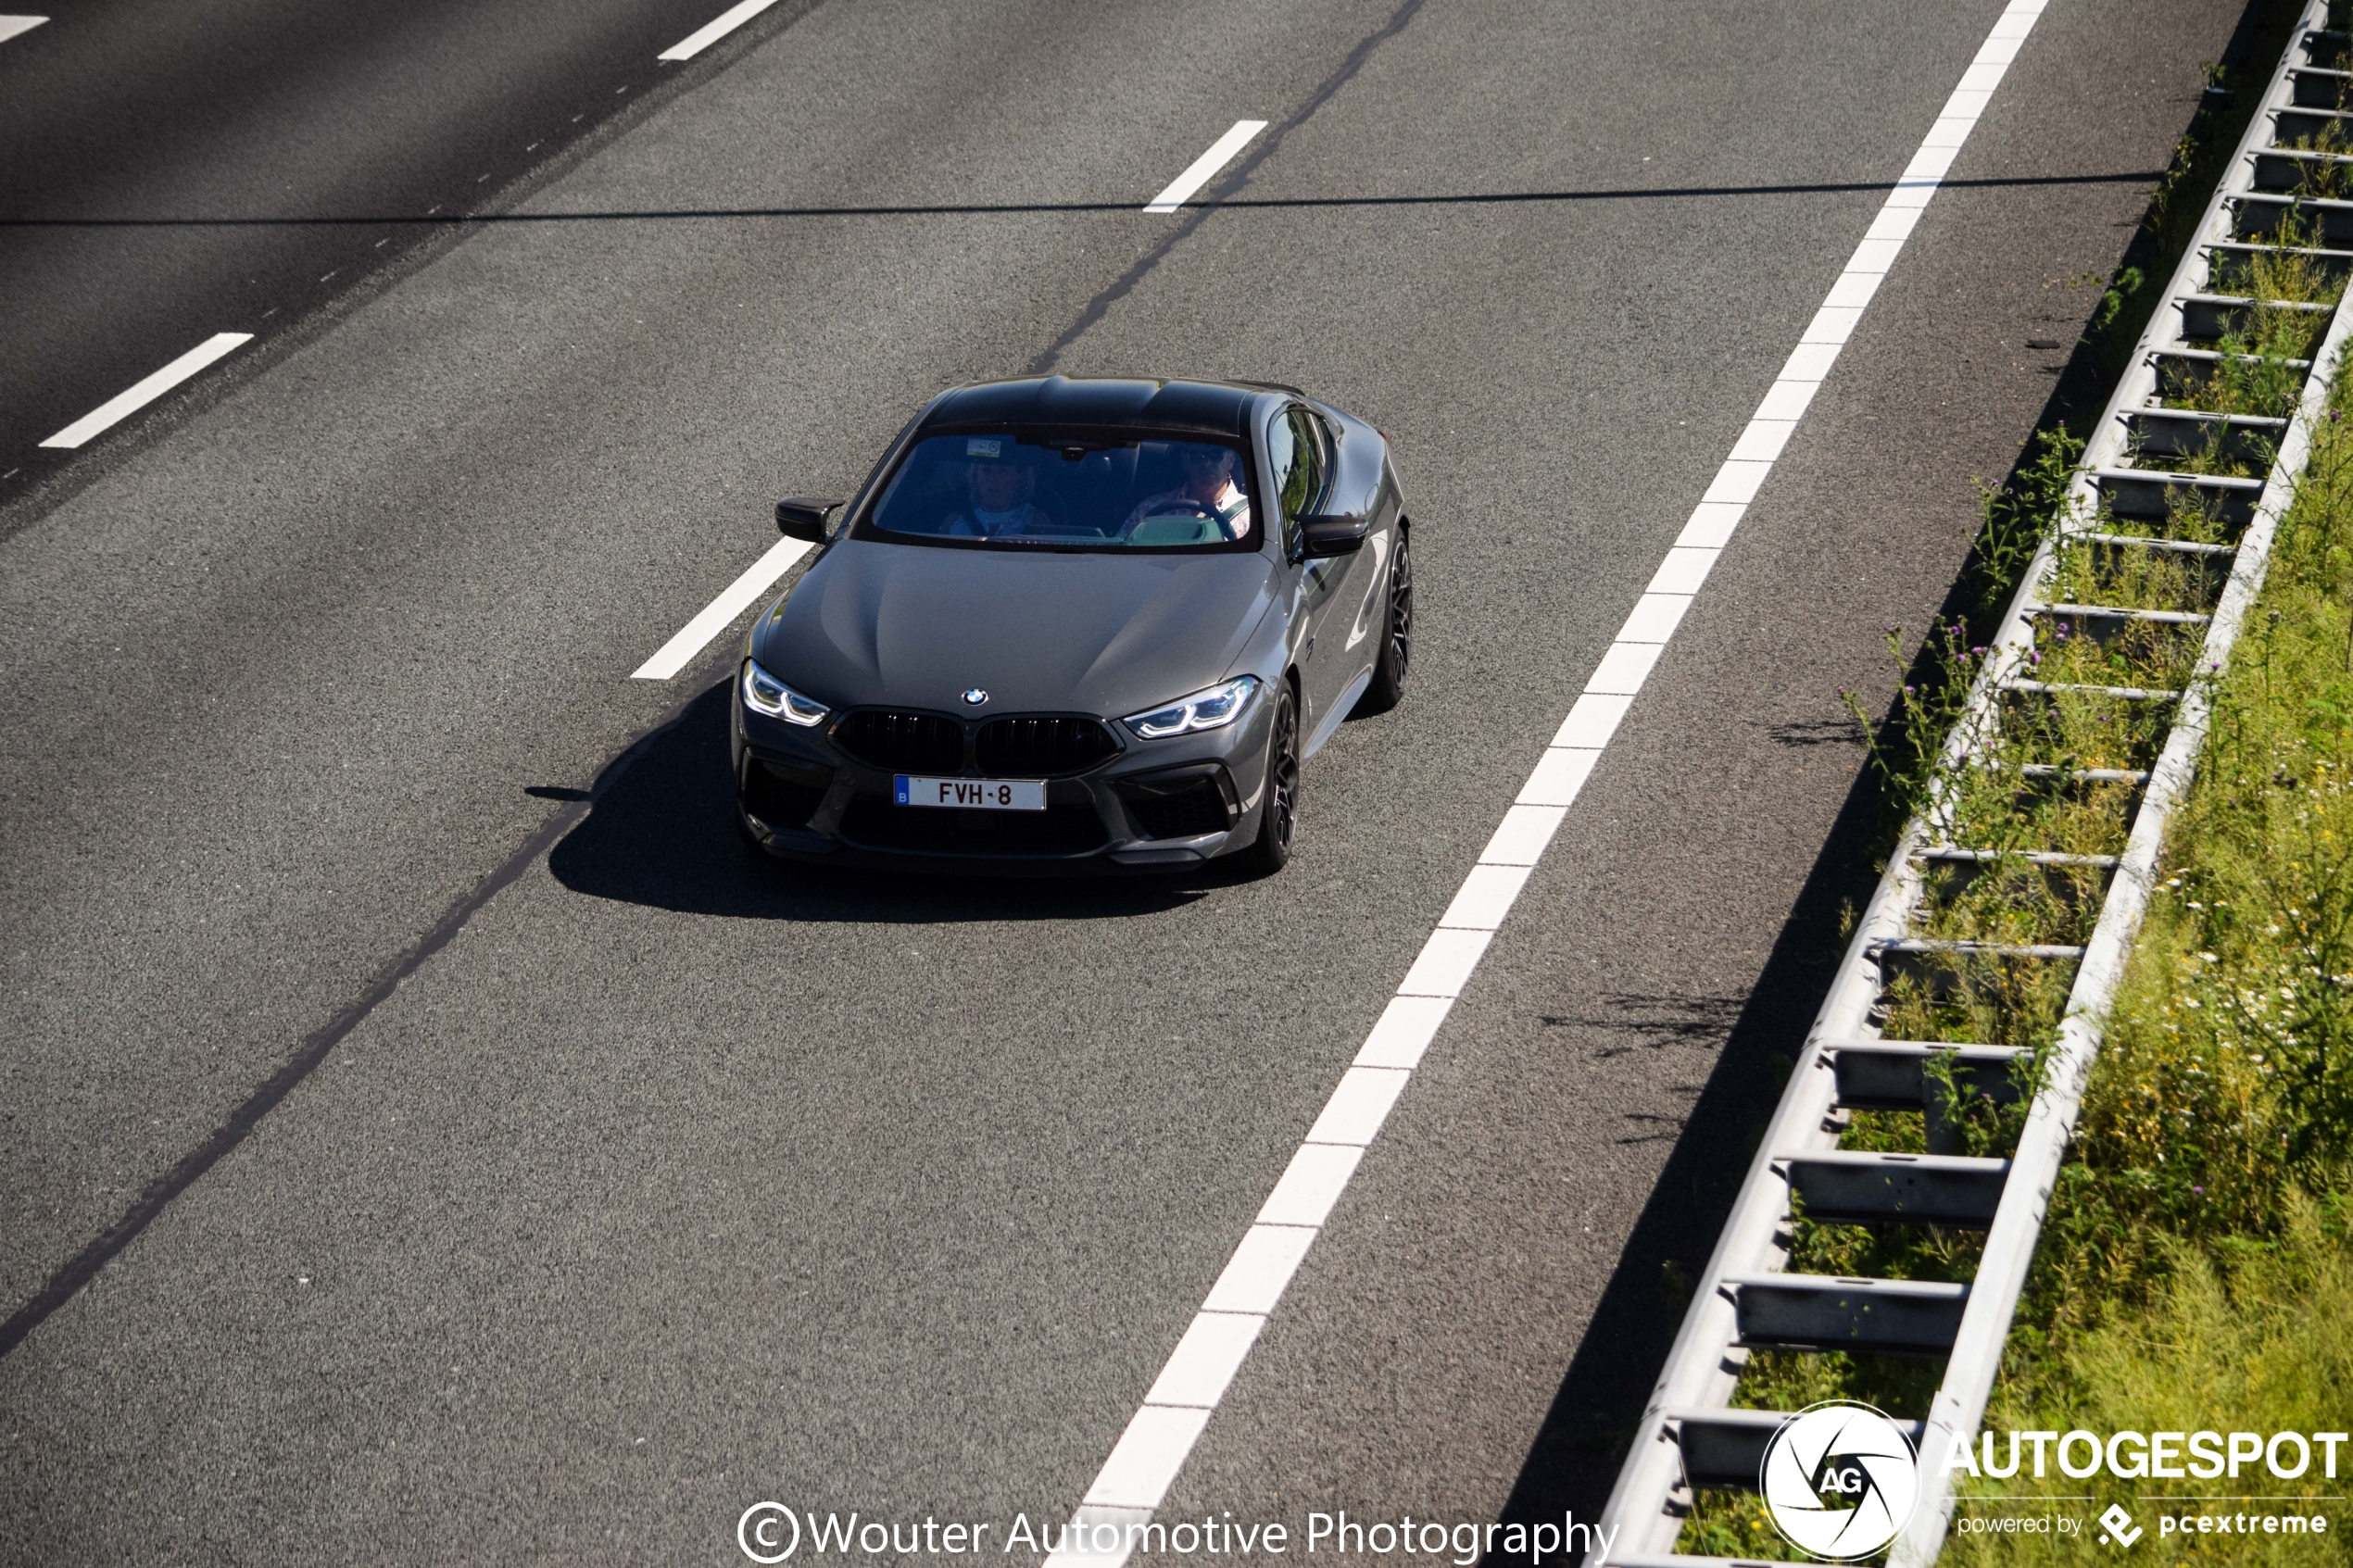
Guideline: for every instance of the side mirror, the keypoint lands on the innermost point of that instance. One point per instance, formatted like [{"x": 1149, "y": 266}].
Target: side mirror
[
  {"x": 804, "y": 517},
  {"x": 1323, "y": 535}
]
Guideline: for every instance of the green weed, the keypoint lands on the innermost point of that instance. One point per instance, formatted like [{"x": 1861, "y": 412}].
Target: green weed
[{"x": 2196, "y": 1253}]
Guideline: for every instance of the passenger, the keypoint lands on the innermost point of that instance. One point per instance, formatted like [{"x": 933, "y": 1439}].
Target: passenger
[
  {"x": 1208, "y": 490},
  {"x": 999, "y": 493}
]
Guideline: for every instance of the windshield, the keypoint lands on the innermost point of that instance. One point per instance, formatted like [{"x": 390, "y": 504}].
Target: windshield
[{"x": 1041, "y": 489}]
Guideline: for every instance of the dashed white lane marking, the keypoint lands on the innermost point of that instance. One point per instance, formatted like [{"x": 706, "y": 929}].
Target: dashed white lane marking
[
  {"x": 1145, "y": 1459},
  {"x": 121, "y": 406},
  {"x": 721, "y": 613},
  {"x": 712, "y": 32},
  {"x": 1203, "y": 169},
  {"x": 11, "y": 26}
]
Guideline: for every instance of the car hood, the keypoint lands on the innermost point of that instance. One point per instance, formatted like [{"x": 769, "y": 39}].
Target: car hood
[{"x": 916, "y": 626}]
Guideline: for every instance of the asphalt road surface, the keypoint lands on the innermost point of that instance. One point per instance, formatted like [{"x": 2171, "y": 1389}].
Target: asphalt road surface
[
  {"x": 663, "y": 1181},
  {"x": 174, "y": 170}
]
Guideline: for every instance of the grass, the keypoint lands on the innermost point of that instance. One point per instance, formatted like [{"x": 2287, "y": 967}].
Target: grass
[
  {"x": 2199, "y": 1247},
  {"x": 2088, "y": 572},
  {"x": 2287, "y": 273},
  {"x": 2011, "y": 901},
  {"x": 2325, "y": 178},
  {"x": 2197, "y": 1251},
  {"x": 2228, "y": 1340},
  {"x": 2254, "y": 376},
  {"x": 2196, "y": 1254}
]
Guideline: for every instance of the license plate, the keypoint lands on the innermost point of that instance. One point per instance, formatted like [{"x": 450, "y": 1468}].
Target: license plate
[{"x": 972, "y": 795}]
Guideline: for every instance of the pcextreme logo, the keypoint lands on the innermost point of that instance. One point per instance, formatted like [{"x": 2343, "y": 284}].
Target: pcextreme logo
[
  {"x": 2117, "y": 1526},
  {"x": 1840, "y": 1480}
]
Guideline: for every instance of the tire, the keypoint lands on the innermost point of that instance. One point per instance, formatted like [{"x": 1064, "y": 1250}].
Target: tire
[
  {"x": 1278, "y": 812},
  {"x": 1397, "y": 635}
]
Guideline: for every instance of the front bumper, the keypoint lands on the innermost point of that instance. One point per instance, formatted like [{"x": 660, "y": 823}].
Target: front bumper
[{"x": 1158, "y": 806}]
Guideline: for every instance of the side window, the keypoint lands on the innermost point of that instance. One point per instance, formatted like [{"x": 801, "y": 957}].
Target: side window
[
  {"x": 1282, "y": 461},
  {"x": 1302, "y": 486},
  {"x": 1326, "y": 441}
]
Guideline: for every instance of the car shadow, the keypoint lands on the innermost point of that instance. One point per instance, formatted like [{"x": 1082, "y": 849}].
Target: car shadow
[{"x": 660, "y": 831}]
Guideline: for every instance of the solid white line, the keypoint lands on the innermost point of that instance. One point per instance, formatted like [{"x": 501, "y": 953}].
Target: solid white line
[
  {"x": 1253, "y": 1282},
  {"x": 1362, "y": 1102},
  {"x": 1521, "y": 837},
  {"x": 1405, "y": 1032},
  {"x": 11, "y": 26},
  {"x": 1206, "y": 1358},
  {"x": 721, "y": 613},
  {"x": 1197, "y": 174},
  {"x": 121, "y": 406},
  {"x": 1560, "y": 774},
  {"x": 1486, "y": 896},
  {"x": 712, "y": 32},
  {"x": 1445, "y": 964},
  {"x": 1319, "y": 1174},
  {"x": 1593, "y": 718},
  {"x": 1156, "y": 1444}
]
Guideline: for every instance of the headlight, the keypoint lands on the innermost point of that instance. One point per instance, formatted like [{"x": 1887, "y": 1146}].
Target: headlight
[
  {"x": 1211, "y": 709},
  {"x": 765, "y": 694}
]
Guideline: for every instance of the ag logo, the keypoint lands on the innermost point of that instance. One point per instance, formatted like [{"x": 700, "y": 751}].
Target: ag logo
[{"x": 1840, "y": 1480}]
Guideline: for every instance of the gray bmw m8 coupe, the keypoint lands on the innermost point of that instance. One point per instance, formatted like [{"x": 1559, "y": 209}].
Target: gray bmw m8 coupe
[{"x": 1076, "y": 625}]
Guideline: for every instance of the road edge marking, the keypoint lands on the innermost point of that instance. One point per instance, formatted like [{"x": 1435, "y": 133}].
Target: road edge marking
[{"x": 1152, "y": 1450}]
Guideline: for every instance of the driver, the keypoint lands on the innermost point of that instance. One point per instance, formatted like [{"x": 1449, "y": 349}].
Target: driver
[
  {"x": 999, "y": 494},
  {"x": 1208, "y": 487}
]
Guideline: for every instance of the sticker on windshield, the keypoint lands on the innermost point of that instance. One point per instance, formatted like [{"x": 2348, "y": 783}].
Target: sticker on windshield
[{"x": 985, "y": 447}]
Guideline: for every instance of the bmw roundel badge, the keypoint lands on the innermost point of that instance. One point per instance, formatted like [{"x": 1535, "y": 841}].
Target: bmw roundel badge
[{"x": 975, "y": 696}]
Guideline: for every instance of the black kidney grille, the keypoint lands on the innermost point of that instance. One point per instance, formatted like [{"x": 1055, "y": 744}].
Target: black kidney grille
[
  {"x": 915, "y": 742},
  {"x": 1018, "y": 748}
]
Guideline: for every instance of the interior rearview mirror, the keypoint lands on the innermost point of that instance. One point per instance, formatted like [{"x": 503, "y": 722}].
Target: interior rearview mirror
[
  {"x": 804, "y": 517},
  {"x": 1322, "y": 536}
]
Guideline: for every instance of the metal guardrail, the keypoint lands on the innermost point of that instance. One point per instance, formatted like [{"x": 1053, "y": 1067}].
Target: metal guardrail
[{"x": 1688, "y": 1439}]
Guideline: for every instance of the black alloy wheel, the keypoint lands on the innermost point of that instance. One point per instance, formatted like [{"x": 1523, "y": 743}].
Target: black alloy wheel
[
  {"x": 1278, "y": 816},
  {"x": 1397, "y": 644}
]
